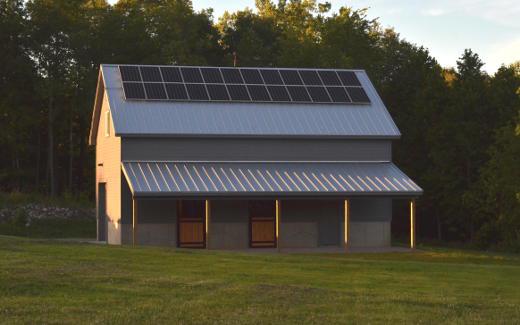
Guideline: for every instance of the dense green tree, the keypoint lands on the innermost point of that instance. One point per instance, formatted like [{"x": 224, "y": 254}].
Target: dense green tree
[
  {"x": 163, "y": 31},
  {"x": 349, "y": 40},
  {"x": 499, "y": 206},
  {"x": 458, "y": 125},
  {"x": 249, "y": 39},
  {"x": 18, "y": 117},
  {"x": 415, "y": 92},
  {"x": 461, "y": 140},
  {"x": 50, "y": 29}
]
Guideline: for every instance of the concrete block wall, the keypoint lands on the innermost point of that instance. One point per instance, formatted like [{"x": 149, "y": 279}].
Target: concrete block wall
[
  {"x": 157, "y": 223},
  {"x": 229, "y": 226},
  {"x": 370, "y": 222},
  {"x": 310, "y": 223},
  {"x": 370, "y": 234},
  {"x": 304, "y": 223}
]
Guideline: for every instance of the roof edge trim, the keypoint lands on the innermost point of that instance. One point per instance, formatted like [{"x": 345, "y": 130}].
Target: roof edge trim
[
  {"x": 258, "y": 136},
  {"x": 339, "y": 195},
  {"x": 98, "y": 102}
]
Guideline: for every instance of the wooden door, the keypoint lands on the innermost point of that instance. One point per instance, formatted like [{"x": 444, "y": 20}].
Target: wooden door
[
  {"x": 262, "y": 224},
  {"x": 191, "y": 224}
]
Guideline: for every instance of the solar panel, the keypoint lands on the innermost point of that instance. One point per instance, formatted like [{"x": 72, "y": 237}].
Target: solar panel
[
  {"x": 232, "y": 76},
  {"x": 191, "y": 74},
  {"x": 151, "y": 74},
  {"x": 176, "y": 91},
  {"x": 133, "y": 90},
  {"x": 271, "y": 77},
  {"x": 318, "y": 94},
  {"x": 154, "y": 90},
  {"x": 211, "y": 75},
  {"x": 185, "y": 83},
  {"x": 358, "y": 95},
  {"x": 291, "y": 77},
  {"x": 348, "y": 78},
  {"x": 197, "y": 91},
  {"x": 171, "y": 74},
  {"x": 217, "y": 92},
  {"x": 258, "y": 93},
  {"x": 238, "y": 92},
  {"x": 330, "y": 78},
  {"x": 129, "y": 73},
  {"x": 338, "y": 94},
  {"x": 251, "y": 76},
  {"x": 310, "y": 77},
  {"x": 279, "y": 93},
  {"x": 298, "y": 94}
]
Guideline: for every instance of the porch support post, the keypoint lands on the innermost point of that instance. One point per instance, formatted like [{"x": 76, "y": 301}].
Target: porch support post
[
  {"x": 208, "y": 220},
  {"x": 412, "y": 224},
  {"x": 346, "y": 233},
  {"x": 134, "y": 221},
  {"x": 278, "y": 215}
]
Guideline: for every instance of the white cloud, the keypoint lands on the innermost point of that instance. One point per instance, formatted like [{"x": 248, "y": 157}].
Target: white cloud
[
  {"x": 434, "y": 12},
  {"x": 394, "y": 11},
  {"x": 504, "y": 53},
  {"x": 501, "y": 12}
]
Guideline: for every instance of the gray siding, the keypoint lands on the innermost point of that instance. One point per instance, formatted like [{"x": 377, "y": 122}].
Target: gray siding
[
  {"x": 370, "y": 209},
  {"x": 126, "y": 201},
  {"x": 250, "y": 149}
]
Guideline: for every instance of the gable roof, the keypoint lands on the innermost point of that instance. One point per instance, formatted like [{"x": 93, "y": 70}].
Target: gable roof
[{"x": 231, "y": 119}]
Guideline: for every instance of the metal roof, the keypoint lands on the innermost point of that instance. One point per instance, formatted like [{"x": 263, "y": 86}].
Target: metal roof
[
  {"x": 163, "y": 118},
  {"x": 176, "y": 178}
]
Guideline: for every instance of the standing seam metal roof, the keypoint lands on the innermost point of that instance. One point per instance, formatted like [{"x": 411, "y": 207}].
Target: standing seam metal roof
[
  {"x": 156, "y": 178},
  {"x": 166, "y": 118}
]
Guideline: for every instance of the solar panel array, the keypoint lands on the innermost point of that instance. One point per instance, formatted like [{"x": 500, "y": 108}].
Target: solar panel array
[{"x": 186, "y": 83}]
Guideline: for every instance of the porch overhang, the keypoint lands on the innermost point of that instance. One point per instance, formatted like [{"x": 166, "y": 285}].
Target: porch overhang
[{"x": 267, "y": 179}]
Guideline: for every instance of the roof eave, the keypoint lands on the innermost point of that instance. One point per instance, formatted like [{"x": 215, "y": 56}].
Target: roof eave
[
  {"x": 261, "y": 136},
  {"x": 293, "y": 195},
  {"x": 96, "y": 111}
]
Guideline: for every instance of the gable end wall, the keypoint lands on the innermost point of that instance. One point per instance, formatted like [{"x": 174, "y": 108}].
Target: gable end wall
[{"x": 108, "y": 170}]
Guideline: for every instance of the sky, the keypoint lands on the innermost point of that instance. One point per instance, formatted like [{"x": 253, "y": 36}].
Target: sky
[{"x": 490, "y": 28}]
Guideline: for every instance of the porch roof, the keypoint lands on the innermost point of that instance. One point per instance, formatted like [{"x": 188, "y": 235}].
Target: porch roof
[{"x": 267, "y": 178}]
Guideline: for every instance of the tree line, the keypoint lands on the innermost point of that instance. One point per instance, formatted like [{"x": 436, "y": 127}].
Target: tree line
[{"x": 460, "y": 126}]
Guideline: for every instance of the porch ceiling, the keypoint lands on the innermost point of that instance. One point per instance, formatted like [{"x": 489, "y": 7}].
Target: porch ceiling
[{"x": 183, "y": 178}]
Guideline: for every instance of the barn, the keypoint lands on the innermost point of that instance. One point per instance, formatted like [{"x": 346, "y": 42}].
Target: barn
[{"x": 240, "y": 158}]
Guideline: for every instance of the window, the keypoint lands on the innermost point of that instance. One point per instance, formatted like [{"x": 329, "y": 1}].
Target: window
[{"x": 107, "y": 123}]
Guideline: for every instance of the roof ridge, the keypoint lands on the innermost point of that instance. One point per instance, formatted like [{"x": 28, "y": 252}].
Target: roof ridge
[{"x": 223, "y": 66}]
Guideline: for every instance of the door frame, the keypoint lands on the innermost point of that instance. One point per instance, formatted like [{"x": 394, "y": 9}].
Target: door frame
[
  {"x": 251, "y": 245},
  {"x": 179, "y": 217}
]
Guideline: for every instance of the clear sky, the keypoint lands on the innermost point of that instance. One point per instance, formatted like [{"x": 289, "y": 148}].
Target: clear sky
[{"x": 446, "y": 27}]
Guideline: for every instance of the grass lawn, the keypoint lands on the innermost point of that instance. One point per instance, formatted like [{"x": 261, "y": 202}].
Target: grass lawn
[
  {"x": 43, "y": 281},
  {"x": 51, "y": 228}
]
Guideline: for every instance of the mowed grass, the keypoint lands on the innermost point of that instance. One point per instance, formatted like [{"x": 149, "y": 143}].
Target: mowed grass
[{"x": 44, "y": 281}]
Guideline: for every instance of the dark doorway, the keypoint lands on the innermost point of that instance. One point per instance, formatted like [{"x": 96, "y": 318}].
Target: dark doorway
[
  {"x": 262, "y": 223},
  {"x": 191, "y": 225},
  {"x": 102, "y": 223}
]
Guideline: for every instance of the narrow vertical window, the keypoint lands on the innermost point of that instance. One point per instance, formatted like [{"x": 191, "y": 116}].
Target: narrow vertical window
[{"x": 107, "y": 123}]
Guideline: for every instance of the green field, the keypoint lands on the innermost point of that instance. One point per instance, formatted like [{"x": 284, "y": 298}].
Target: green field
[{"x": 44, "y": 281}]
